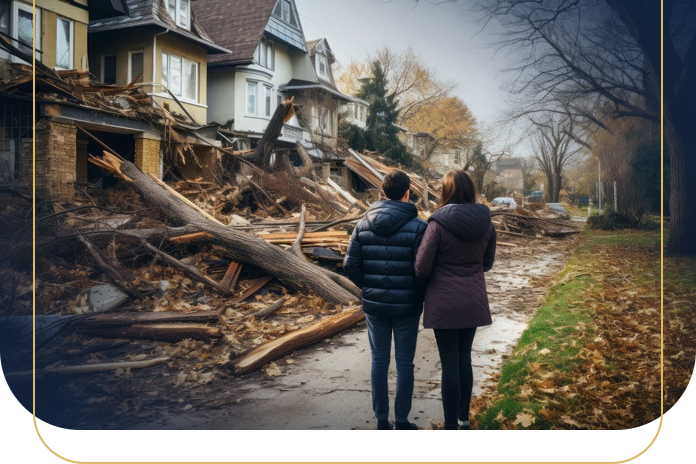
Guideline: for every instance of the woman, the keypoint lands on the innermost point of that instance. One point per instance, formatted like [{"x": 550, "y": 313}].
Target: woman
[{"x": 457, "y": 248}]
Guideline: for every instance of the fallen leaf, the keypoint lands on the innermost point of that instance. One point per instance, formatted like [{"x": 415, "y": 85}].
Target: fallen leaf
[
  {"x": 273, "y": 370},
  {"x": 500, "y": 417},
  {"x": 524, "y": 419},
  {"x": 570, "y": 421},
  {"x": 545, "y": 351}
]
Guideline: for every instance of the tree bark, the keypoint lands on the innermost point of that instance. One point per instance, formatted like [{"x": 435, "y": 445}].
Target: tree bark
[
  {"x": 262, "y": 154},
  {"x": 171, "y": 333},
  {"x": 681, "y": 140},
  {"x": 275, "y": 349}
]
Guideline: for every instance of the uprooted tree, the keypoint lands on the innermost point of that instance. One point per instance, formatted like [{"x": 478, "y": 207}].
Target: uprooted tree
[{"x": 243, "y": 247}]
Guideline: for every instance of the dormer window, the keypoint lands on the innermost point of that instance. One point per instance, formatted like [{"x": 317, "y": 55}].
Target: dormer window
[
  {"x": 322, "y": 67},
  {"x": 284, "y": 11},
  {"x": 180, "y": 11}
]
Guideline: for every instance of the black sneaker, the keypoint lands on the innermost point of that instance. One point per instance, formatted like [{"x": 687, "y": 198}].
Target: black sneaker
[
  {"x": 405, "y": 426},
  {"x": 384, "y": 425}
]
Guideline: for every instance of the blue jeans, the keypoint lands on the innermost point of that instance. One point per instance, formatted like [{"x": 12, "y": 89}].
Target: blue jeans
[{"x": 405, "y": 331}]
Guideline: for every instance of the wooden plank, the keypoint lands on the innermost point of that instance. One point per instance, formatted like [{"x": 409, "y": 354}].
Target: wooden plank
[
  {"x": 191, "y": 237},
  {"x": 231, "y": 276},
  {"x": 275, "y": 349},
  {"x": 86, "y": 369},
  {"x": 367, "y": 165},
  {"x": 171, "y": 333},
  {"x": 331, "y": 234},
  {"x": 103, "y": 320},
  {"x": 256, "y": 285}
]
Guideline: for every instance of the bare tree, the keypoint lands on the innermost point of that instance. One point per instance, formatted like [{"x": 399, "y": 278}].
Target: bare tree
[
  {"x": 601, "y": 58},
  {"x": 554, "y": 147}
]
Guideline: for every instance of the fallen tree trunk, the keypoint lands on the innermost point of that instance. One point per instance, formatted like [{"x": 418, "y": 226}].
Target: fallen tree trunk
[
  {"x": 262, "y": 154},
  {"x": 87, "y": 369},
  {"x": 171, "y": 333},
  {"x": 275, "y": 349},
  {"x": 243, "y": 247}
]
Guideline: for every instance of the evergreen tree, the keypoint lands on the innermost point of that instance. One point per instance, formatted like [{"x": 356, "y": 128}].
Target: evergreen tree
[{"x": 381, "y": 133}]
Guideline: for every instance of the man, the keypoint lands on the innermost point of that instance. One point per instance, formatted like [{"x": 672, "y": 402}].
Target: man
[{"x": 380, "y": 260}]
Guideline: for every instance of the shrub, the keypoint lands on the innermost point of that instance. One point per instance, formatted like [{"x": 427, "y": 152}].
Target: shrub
[{"x": 612, "y": 221}]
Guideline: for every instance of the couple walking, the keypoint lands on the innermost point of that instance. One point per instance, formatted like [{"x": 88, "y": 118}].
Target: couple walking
[{"x": 403, "y": 265}]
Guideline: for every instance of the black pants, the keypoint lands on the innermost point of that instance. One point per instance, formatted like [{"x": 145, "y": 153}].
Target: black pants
[{"x": 454, "y": 346}]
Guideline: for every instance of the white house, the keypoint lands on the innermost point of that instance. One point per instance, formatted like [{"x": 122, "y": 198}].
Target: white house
[{"x": 269, "y": 51}]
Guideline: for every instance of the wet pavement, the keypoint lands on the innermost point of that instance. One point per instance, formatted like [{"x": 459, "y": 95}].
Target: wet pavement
[{"x": 327, "y": 386}]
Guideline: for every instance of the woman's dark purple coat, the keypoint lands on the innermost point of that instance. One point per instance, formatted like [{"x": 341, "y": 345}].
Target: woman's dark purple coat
[{"x": 458, "y": 247}]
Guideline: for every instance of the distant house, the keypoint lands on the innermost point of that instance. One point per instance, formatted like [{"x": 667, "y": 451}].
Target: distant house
[
  {"x": 438, "y": 158},
  {"x": 269, "y": 51},
  {"x": 509, "y": 174}
]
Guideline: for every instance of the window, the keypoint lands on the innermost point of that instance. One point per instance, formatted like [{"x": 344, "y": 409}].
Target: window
[
  {"x": 327, "y": 122},
  {"x": 180, "y": 76},
  {"x": 322, "y": 67},
  {"x": 64, "y": 43},
  {"x": 268, "y": 96},
  {"x": 17, "y": 21},
  {"x": 109, "y": 69},
  {"x": 265, "y": 54},
  {"x": 180, "y": 10},
  {"x": 136, "y": 60},
  {"x": 251, "y": 98},
  {"x": 279, "y": 98},
  {"x": 285, "y": 11},
  {"x": 457, "y": 157}
]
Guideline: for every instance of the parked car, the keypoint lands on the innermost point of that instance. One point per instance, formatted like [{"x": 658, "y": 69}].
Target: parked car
[
  {"x": 557, "y": 208},
  {"x": 536, "y": 196},
  {"x": 504, "y": 203}
]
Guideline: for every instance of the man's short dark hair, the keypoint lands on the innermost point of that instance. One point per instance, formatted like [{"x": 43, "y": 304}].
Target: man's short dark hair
[{"x": 396, "y": 184}]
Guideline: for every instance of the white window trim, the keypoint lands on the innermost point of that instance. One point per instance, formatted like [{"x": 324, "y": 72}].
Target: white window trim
[
  {"x": 256, "y": 98},
  {"x": 130, "y": 64},
  {"x": 72, "y": 41},
  {"x": 183, "y": 66},
  {"x": 16, "y": 6},
  {"x": 319, "y": 58},
  {"x": 267, "y": 87},
  {"x": 102, "y": 74},
  {"x": 176, "y": 14}
]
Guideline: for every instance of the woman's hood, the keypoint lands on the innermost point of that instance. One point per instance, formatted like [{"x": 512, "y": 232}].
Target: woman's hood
[{"x": 467, "y": 221}]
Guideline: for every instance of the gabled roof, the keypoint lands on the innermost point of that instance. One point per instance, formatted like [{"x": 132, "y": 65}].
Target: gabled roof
[
  {"x": 239, "y": 25},
  {"x": 236, "y": 25},
  {"x": 154, "y": 13}
]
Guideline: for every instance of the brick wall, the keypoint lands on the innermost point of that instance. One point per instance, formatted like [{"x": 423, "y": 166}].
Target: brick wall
[
  {"x": 147, "y": 155},
  {"x": 55, "y": 160}
]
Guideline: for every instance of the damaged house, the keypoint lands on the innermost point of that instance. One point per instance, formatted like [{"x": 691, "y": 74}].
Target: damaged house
[
  {"x": 149, "y": 57},
  {"x": 271, "y": 61}
]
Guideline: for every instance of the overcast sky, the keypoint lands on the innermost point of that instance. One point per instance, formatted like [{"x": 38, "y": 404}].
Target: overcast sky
[{"x": 446, "y": 36}]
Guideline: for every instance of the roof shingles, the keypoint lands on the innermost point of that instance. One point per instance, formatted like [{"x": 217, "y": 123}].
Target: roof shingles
[
  {"x": 154, "y": 12},
  {"x": 236, "y": 25}
]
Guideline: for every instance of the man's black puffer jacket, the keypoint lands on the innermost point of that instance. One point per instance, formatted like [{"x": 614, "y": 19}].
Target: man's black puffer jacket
[{"x": 381, "y": 256}]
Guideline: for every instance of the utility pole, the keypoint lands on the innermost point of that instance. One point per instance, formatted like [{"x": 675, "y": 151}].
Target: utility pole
[
  {"x": 599, "y": 187},
  {"x": 616, "y": 202}
]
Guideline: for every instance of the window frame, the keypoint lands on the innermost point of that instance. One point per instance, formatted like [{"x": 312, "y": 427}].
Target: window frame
[
  {"x": 322, "y": 58},
  {"x": 14, "y": 27},
  {"x": 177, "y": 12},
  {"x": 184, "y": 66},
  {"x": 261, "y": 54},
  {"x": 102, "y": 73},
  {"x": 255, "y": 85},
  {"x": 267, "y": 101},
  {"x": 71, "y": 45},
  {"x": 130, "y": 64}
]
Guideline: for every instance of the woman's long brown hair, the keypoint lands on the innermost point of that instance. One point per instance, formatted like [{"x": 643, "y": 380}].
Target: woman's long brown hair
[{"x": 458, "y": 187}]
